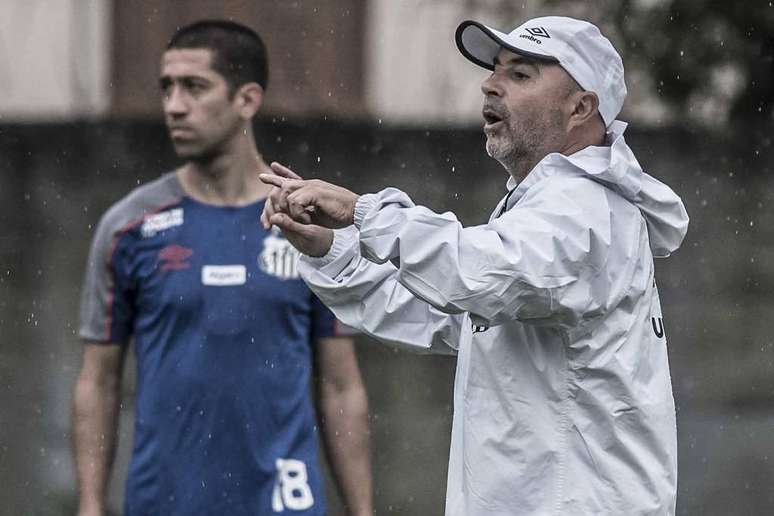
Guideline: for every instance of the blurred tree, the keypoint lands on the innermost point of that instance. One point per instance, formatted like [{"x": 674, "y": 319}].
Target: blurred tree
[{"x": 711, "y": 61}]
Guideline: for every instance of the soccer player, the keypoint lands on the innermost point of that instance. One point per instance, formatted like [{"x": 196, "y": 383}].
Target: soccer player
[
  {"x": 563, "y": 400},
  {"x": 226, "y": 335}
]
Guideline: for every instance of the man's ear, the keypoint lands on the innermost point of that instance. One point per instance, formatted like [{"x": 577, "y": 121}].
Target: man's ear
[
  {"x": 249, "y": 98},
  {"x": 585, "y": 107}
]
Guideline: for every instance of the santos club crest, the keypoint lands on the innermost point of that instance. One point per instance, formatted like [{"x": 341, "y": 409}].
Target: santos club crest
[{"x": 278, "y": 258}]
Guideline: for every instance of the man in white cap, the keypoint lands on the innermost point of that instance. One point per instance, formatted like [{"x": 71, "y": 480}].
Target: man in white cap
[{"x": 563, "y": 400}]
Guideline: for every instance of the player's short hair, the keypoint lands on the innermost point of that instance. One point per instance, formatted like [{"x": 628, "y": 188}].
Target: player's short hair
[{"x": 238, "y": 52}]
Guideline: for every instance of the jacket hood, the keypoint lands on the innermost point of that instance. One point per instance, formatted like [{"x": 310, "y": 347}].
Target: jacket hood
[{"x": 616, "y": 167}]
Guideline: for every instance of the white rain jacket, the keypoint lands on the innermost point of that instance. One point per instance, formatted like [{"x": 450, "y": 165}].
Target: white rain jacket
[{"x": 562, "y": 399}]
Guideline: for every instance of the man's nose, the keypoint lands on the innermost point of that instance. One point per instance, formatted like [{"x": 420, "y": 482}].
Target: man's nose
[
  {"x": 174, "y": 103},
  {"x": 491, "y": 86}
]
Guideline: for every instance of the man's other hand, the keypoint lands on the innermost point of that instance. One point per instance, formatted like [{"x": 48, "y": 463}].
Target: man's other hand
[
  {"x": 307, "y": 202},
  {"x": 309, "y": 239}
]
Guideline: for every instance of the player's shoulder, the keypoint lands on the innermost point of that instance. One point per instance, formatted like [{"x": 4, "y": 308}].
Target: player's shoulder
[{"x": 147, "y": 198}]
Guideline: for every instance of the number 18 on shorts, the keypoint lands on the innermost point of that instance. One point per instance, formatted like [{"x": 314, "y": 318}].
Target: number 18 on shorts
[{"x": 291, "y": 490}]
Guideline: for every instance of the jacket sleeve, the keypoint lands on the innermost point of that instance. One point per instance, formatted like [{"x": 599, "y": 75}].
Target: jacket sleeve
[
  {"x": 543, "y": 261},
  {"x": 368, "y": 297}
]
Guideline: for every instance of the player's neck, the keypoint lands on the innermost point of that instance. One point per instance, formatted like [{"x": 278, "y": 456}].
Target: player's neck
[{"x": 228, "y": 179}]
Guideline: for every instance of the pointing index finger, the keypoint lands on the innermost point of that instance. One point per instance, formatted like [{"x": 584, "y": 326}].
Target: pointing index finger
[
  {"x": 283, "y": 171},
  {"x": 271, "y": 179}
]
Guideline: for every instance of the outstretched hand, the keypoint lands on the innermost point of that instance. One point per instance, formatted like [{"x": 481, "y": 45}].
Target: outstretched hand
[
  {"x": 307, "y": 202},
  {"x": 308, "y": 238},
  {"x": 272, "y": 201}
]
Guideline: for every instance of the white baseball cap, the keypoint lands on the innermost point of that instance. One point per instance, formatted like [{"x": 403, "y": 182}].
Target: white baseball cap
[{"x": 578, "y": 46}]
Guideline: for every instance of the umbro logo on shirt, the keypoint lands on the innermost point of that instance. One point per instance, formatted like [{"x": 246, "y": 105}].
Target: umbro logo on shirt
[{"x": 173, "y": 258}]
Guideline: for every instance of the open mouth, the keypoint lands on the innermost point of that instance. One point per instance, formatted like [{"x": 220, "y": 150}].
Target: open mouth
[{"x": 491, "y": 117}]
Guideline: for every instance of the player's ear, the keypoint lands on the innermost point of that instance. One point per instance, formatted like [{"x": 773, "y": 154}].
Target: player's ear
[{"x": 248, "y": 99}]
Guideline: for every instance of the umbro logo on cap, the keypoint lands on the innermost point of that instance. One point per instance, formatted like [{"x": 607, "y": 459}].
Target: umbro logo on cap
[{"x": 539, "y": 32}]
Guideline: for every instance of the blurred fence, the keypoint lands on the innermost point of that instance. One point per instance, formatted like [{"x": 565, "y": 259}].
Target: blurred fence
[{"x": 717, "y": 293}]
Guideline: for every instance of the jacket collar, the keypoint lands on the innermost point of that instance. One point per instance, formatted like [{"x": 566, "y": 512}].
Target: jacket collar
[{"x": 592, "y": 160}]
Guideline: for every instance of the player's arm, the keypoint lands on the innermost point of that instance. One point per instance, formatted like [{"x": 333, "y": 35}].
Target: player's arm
[
  {"x": 343, "y": 408},
  {"x": 96, "y": 401}
]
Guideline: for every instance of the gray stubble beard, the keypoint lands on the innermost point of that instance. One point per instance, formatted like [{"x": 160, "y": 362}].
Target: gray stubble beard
[
  {"x": 519, "y": 154},
  {"x": 511, "y": 155}
]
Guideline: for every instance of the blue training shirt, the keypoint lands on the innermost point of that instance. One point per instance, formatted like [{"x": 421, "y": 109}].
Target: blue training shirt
[{"x": 223, "y": 331}]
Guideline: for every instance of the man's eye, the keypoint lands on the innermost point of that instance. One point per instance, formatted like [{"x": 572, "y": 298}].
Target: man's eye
[
  {"x": 520, "y": 75},
  {"x": 193, "y": 87},
  {"x": 198, "y": 87}
]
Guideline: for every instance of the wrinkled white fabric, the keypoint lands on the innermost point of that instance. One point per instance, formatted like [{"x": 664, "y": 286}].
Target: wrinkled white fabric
[{"x": 562, "y": 399}]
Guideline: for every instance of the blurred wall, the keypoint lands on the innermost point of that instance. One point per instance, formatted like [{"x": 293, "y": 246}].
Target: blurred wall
[
  {"x": 314, "y": 51},
  {"x": 415, "y": 74},
  {"x": 54, "y": 58},
  {"x": 389, "y": 60},
  {"x": 717, "y": 293}
]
